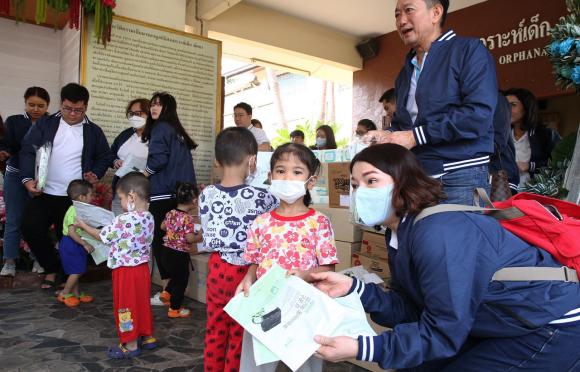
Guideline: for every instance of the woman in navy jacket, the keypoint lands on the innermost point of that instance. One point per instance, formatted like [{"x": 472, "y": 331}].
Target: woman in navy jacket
[
  {"x": 534, "y": 142},
  {"x": 36, "y": 101},
  {"x": 169, "y": 162},
  {"x": 445, "y": 311}
]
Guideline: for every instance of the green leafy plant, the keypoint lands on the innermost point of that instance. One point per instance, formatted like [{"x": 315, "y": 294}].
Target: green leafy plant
[
  {"x": 309, "y": 129},
  {"x": 564, "y": 49},
  {"x": 549, "y": 181}
]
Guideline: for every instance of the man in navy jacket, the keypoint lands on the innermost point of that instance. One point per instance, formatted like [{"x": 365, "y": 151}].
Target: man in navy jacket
[
  {"x": 79, "y": 150},
  {"x": 446, "y": 97}
]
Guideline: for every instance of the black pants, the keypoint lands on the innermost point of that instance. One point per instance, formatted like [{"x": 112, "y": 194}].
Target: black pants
[
  {"x": 159, "y": 209},
  {"x": 177, "y": 264},
  {"x": 40, "y": 213}
]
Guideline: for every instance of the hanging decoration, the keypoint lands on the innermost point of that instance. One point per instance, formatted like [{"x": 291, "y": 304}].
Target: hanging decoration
[
  {"x": 564, "y": 50},
  {"x": 102, "y": 9}
]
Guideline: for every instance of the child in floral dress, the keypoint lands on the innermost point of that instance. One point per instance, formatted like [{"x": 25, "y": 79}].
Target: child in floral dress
[
  {"x": 130, "y": 236},
  {"x": 293, "y": 236}
]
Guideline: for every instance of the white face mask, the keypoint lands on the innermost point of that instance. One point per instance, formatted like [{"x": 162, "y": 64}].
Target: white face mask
[
  {"x": 288, "y": 191},
  {"x": 137, "y": 121},
  {"x": 320, "y": 142}
]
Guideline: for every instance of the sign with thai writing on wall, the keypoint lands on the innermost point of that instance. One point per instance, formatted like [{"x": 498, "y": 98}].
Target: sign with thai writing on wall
[{"x": 142, "y": 59}]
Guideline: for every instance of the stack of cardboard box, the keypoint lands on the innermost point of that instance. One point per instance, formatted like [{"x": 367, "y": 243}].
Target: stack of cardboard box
[{"x": 373, "y": 255}]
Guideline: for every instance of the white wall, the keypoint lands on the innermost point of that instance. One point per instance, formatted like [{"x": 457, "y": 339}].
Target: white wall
[
  {"x": 70, "y": 51},
  {"x": 29, "y": 55},
  {"x": 167, "y": 13}
]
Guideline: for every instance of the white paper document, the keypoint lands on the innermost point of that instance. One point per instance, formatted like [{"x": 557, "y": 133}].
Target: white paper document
[
  {"x": 93, "y": 216},
  {"x": 131, "y": 164},
  {"x": 284, "y": 314},
  {"x": 101, "y": 252}
]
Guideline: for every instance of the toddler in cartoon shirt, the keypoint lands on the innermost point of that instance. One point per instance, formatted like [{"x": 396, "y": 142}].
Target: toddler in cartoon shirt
[{"x": 130, "y": 236}]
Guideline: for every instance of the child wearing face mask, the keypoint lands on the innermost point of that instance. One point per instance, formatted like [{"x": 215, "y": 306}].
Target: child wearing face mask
[
  {"x": 130, "y": 236},
  {"x": 293, "y": 236},
  {"x": 226, "y": 210}
]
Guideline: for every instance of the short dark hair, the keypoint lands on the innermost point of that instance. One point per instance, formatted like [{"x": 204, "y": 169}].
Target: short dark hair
[
  {"x": 185, "y": 192},
  {"x": 75, "y": 93},
  {"x": 37, "y": 92},
  {"x": 444, "y": 4},
  {"x": 530, "y": 104},
  {"x": 169, "y": 115},
  {"x": 297, "y": 133},
  {"x": 414, "y": 190},
  {"x": 244, "y": 106},
  {"x": 388, "y": 96},
  {"x": 144, "y": 104},
  {"x": 135, "y": 182},
  {"x": 233, "y": 144},
  {"x": 368, "y": 123},
  {"x": 77, "y": 188},
  {"x": 306, "y": 157}
]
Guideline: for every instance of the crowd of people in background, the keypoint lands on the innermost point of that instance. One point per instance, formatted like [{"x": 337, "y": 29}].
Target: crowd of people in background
[{"x": 427, "y": 151}]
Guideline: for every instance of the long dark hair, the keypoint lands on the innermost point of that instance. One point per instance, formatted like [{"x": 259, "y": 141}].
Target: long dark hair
[
  {"x": 330, "y": 141},
  {"x": 168, "y": 115},
  {"x": 306, "y": 157},
  {"x": 413, "y": 190},
  {"x": 530, "y": 104}
]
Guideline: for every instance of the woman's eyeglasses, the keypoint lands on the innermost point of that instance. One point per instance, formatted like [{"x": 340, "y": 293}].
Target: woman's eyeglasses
[{"x": 130, "y": 114}]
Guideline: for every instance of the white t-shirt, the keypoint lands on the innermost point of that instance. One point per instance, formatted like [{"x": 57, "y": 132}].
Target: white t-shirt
[
  {"x": 133, "y": 146},
  {"x": 64, "y": 164},
  {"x": 260, "y": 135},
  {"x": 523, "y": 154}
]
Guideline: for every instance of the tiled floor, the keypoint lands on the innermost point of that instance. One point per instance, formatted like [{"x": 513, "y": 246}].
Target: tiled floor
[{"x": 39, "y": 334}]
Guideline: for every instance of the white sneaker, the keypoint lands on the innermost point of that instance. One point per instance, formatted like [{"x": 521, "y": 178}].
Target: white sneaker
[
  {"x": 36, "y": 268},
  {"x": 9, "y": 269},
  {"x": 156, "y": 301}
]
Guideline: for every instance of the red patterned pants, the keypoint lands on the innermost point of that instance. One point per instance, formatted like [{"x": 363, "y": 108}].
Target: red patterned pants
[{"x": 223, "y": 335}]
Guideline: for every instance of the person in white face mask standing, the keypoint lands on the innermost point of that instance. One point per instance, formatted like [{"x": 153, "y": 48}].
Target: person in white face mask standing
[
  {"x": 293, "y": 236},
  {"x": 128, "y": 142}
]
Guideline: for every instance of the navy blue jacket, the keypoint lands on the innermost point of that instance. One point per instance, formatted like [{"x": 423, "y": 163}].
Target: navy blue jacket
[
  {"x": 542, "y": 142},
  {"x": 456, "y": 96},
  {"x": 443, "y": 293},
  {"x": 95, "y": 156},
  {"x": 16, "y": 128},
  {"x": 169, "y": 161},
  {"x": 504, "y": 155}
]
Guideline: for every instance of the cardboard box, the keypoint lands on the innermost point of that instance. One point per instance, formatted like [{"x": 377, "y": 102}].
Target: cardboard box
[
  {"x": 196, "y": 288},
  {"x": 344, "y": 253},
  {"x": 374, "y": 244},
  {"x": 339, "y": 185},
  {"x": 344, "y": 230},
  {"x": 377, "y": 265}
]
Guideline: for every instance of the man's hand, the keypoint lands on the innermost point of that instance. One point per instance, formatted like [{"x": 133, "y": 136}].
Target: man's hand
[
  {"x": 336, "y": 349},
  {"x": 91, "y": 177},
  {"x": 31, "y": 187},
  {"x": 117, "y": 163},
  {"x": 4, "y": 155},
  {"x": 404, "y": 138},
  {"x": 376, "y": 137}
]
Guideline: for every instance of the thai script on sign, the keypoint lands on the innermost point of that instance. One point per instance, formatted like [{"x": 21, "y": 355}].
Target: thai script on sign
[{"x": 521, "y": 34}]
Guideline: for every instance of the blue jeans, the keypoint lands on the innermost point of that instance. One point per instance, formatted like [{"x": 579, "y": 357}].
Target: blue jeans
[
  {"x": 550, "y": 348},
  {"x": 16, "y": 197},
  {"x": 460, "y": 185}
]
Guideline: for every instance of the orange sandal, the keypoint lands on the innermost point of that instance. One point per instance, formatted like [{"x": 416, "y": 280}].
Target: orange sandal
[
  {"x": 85, "y": 298},
  {"x": 69, "y": 300}
]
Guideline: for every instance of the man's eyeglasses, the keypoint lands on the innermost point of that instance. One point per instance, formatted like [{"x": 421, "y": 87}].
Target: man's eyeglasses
[
  {"x": 70, "y": 110},
  {"x": 130, "y": 114}
]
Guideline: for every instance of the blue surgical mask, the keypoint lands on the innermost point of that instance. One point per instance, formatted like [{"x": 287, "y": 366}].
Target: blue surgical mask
[
  {"x": 373, "y": 206},
  {"x": 320, "y": 142}
]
